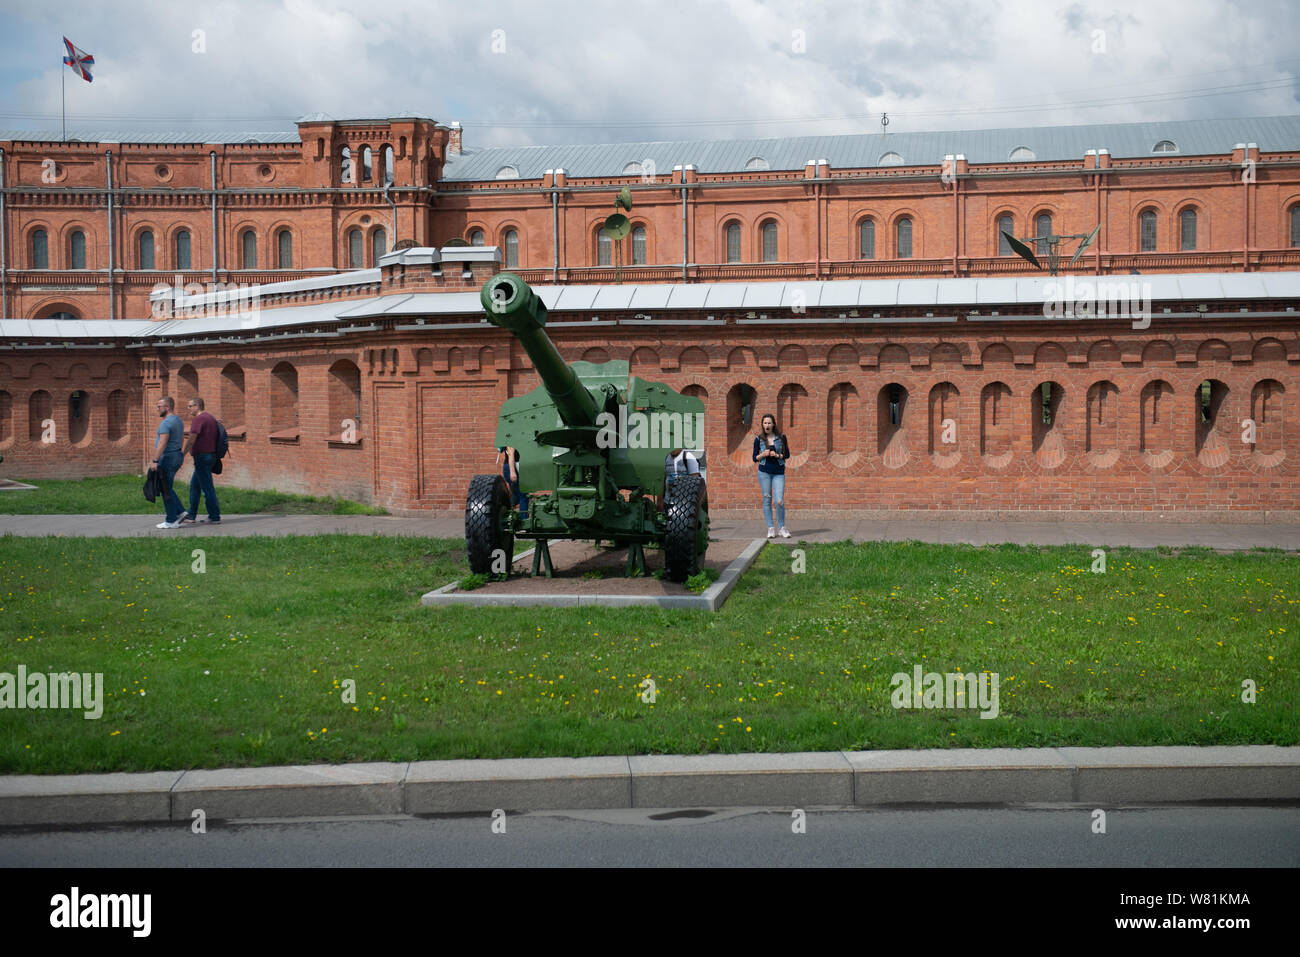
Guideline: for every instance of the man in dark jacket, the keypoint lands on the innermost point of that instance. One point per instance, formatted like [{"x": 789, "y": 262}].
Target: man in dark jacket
[
  {"x": 167, "y": 458},
  {"x": 203, "y": 442}
]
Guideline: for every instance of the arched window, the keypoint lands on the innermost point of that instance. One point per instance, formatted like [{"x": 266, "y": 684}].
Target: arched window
[
  {"x": 507, "y": 172},
  {"x": 769, "y": 242},
  {"x": 512, "y": 249},
  {"x": 77, "y": 250},
  {"x": 1295, "y": 226},
  {"x": 1043, "y": 229},
  {"x": 733, "y": 242},
  {"x": 904, "y": 238},
  {"x": 248, "y": 244},
  {"x": 378, "y": 245},
  {"x": 1006, "y": 227},
  {"x": 183, "y": 249},
  {"x": 476, "y": 237},
  {"x": 346, "y": 174},
  {"x": 1165, "y": 146},
  {"x": 355, "y": 252},
  {"x": 41, "y": 248},
  {"x": 757, "y": 163},
  {"x": 632, "y": 169},
  {"x": 367, "y": 165},
  {"x": 604, "y": 249},
  {"x": 284, "y": 249},
  {"x": 145, "y": 249},
  {"x": 1147, "y": 221},
  {"x": 638, "y": 246},
  {"x": 867, "y": 239},
  {"x": 388, "y": 165},
  {"x": 890, "y": 159},
  {"x": 1187, "y": 228},
  {"x": 1022, "y": 154}
]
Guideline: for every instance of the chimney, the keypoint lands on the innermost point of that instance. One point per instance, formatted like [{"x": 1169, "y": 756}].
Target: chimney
[{"x": 453, "y": 138}]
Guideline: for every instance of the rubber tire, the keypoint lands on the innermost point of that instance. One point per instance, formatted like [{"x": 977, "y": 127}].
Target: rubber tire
[
  {"x": 486, "y": 507},
  {"x": 687, "y": 502}
]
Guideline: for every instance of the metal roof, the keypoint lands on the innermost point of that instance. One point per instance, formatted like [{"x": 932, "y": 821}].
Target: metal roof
[
  {"x": 864, "y": 150},
  {"x": 639, "y": 300}
]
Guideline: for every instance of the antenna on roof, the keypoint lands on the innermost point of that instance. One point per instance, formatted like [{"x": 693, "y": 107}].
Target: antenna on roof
[{"x": 884, "y": 124}]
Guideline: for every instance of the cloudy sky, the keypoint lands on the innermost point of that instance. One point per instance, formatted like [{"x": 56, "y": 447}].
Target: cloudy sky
[{"x": 517, "y": 72}]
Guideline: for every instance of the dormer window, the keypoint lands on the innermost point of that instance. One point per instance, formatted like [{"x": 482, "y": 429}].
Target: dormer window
[
  {"x": 757, "y": 162},
  {"x": 890, "y": 159},
  {"x": 1165, "y": 146},
  {"x": 507, "y": 172},
  {"x": 1021, "y": 154},
  {"x": 633, "y": 168}
]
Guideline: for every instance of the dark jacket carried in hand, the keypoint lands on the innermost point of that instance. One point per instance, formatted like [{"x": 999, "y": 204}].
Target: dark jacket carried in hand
[
  {"x": 773, "y": 466},
  {"x": 155, "y": 484}
]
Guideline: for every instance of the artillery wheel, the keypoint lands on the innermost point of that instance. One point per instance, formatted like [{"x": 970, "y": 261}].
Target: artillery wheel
[
  {"x": 487, "y": 508},
  {"x": 688, "y": 520}
]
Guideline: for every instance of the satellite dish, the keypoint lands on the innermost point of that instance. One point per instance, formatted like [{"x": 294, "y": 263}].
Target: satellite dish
[
  {"x": 1021, "y": 250},
  {"x": 624, "y": 198},
  {"x": 1087, "y": 241},
  {"x": 617, "y": 226}
]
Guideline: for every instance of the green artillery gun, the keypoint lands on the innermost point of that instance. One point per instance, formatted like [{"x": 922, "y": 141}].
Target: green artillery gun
[{"x": 592, "y": 443}]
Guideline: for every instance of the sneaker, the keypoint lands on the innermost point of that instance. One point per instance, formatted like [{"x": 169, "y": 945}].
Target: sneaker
[
  {"x": 187, "y": 518},
  {"x": 771, "y": 532},
  {"x": 204, "y": 520},
  {"x": 176, "y": 524},
  {"x": 784, "y": 533}
]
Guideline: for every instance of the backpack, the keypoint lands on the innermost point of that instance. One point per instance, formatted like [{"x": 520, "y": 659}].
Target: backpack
[{"x": 223, "y": 440}]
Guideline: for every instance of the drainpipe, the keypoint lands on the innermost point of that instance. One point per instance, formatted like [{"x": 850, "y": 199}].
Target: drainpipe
[
  {"x": 4, "y": 246},
  {"x": 393, "y": 204},
  {"x": 108, "y": 166},
  {"x": 1245, "y": 210},
  {"x": 1096, "y": 162},
  {"x": 555, "y": 231},
  {"x": 685, "y": 230},
  {"x": 212, "y": 160},
  {"x": 956, "y": 236}
]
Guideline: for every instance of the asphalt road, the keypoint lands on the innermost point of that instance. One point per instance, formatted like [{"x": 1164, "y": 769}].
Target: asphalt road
[{"x": 740, "y": 837}]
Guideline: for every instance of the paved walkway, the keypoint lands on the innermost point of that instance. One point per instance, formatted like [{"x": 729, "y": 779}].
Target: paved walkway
[{"x": 1228, "y": 536}]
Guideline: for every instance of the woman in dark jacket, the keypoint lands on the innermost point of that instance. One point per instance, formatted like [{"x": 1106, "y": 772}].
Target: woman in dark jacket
[{"x": 770, "y": 452}]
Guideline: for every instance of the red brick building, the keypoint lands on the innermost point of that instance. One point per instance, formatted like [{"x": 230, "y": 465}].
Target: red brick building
[{"x": 864, "y": 300}]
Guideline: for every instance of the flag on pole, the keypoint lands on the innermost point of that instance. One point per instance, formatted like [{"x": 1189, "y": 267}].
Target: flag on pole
[{"x": 79, "y": 60}]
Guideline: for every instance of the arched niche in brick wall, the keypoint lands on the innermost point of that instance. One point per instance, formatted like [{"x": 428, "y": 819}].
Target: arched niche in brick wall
[
  {"x": 455, "y": 360},
  {"x": 1215, "y": 428},
  {"x": 79, "y": 431},
  {"x": 996, "y": 354},
  {"x": 693, "y": 359},
  {"x": 944, "y": 425},
  {"x": 6, "y": 419},
  {"x": 1267, "y": 413},
  {"x": 996, "y": 424},
  {"x": 1213, "y": 350},
  {"x": 284, "y": 402},
  {"x": 793, "y": 409},
  {"x": 742, "y": 422},
  {"x": 645, "y": 361},
  {"x": 945, "y": 353},
  {"x": 1047, "y": 415},
  {"x": 792, "y": 357},
  {"x": 1101, "y": 436},
  {"x": 894, "y": 356},
  {"x": 1104, "y": 352},
  {"x": 487, "y": 358},
  {"x": 40, "y": 409},
  {"x": 595, "y": 354},
  {"x": 231, "y": 398},
  {"x": 1156, "y": 437},
  {"x": 741, "y": 357},
  {"x": 1049, "y": 354},
  {"x": 891, "y": 425},
  {"x": 423, "y": 361},
  {"x": 1158, "y": 352},
  {"x": 344, "y": 388},
  {"x": 1268, "y": 350},
  {"x": 115, "y": 371},
  {"x": 185, "y": 387},
  {"x": 842, "y": 425},
  {"x": 842, "y": 357},
  {"x": 118, "y": 414}
]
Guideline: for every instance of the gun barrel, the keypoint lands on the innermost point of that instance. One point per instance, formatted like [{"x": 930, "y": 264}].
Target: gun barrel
[{"x": 511, "y": 304}]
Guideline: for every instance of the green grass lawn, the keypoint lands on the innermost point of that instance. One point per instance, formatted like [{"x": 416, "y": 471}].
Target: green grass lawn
[
  {"x": 248, "y": 663},
  {"x": 121, "y": 495}
]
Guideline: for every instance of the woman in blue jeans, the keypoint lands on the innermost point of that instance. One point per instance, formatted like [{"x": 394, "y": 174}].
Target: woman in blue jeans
[{"x": 770, "y": 452}]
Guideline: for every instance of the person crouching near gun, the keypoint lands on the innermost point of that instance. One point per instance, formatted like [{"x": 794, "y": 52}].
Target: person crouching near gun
[{"x": 770, "y": 452}]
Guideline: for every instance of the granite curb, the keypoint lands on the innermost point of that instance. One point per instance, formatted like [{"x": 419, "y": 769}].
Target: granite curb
[{"x": 1102, "y": 777}]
